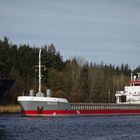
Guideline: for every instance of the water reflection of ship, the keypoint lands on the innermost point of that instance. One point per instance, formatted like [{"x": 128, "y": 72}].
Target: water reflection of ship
[{"x": 5, "y": 85}]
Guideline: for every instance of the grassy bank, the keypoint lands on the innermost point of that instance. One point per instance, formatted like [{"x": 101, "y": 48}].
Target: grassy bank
[{"x": 10, "y": 108}]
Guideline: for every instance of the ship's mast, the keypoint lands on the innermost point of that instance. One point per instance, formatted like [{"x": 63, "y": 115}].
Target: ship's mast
[{"x": 39, "y": 88}]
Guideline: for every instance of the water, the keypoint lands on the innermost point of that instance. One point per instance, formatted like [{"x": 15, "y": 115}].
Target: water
[{"x": 17, "y": 127}]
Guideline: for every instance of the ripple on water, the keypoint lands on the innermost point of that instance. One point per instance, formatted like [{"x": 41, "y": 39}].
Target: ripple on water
[{"x": 15, "y": 127}]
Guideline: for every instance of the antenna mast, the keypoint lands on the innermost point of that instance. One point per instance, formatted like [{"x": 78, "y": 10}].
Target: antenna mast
[{"x": 39, "y": 88}]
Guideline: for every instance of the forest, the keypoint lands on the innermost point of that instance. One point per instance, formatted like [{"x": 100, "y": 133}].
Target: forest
[{"x": 74, "y": 79}]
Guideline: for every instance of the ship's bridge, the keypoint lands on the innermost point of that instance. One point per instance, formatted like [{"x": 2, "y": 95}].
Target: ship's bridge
[
  {"x": 131, "y": 93},
  {"x": 132, "y": 90}
]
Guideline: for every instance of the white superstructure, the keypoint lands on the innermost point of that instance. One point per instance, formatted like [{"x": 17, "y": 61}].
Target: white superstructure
[{"x": 131, "y": 93}]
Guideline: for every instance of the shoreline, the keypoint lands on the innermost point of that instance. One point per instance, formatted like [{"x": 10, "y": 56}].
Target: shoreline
[{"x": 10, "y": 109}]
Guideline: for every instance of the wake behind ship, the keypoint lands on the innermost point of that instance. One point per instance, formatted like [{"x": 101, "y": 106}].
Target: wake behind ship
[{"x": 39, "y": 104}]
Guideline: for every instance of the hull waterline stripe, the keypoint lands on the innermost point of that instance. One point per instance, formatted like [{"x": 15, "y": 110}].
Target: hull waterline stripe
[{"x": 84, "y": 112}]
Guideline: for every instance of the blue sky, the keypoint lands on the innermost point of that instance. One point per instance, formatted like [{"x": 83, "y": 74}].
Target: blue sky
[{"x": 96, "y": 30}]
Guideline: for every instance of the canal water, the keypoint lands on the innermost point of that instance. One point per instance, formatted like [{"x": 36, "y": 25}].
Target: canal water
[{"x": 17, "y": 127}]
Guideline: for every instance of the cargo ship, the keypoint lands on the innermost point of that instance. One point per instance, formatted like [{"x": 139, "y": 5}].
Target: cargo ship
[{"x": 40, "y": 104}]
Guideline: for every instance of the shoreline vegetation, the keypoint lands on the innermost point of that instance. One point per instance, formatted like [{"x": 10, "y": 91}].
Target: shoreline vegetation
[
  {"x": 75, "y": 79},
  {"x": 10, "y": 108}
]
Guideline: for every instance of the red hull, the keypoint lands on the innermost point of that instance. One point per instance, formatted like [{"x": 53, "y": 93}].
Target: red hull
[{"x": 78, "y": 112}]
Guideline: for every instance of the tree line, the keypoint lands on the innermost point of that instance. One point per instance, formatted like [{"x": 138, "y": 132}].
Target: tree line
[{"x": 74, "y": 79}]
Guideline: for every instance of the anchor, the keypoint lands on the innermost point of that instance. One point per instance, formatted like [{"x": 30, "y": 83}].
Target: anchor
[{"x": 40, "y": 110}]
